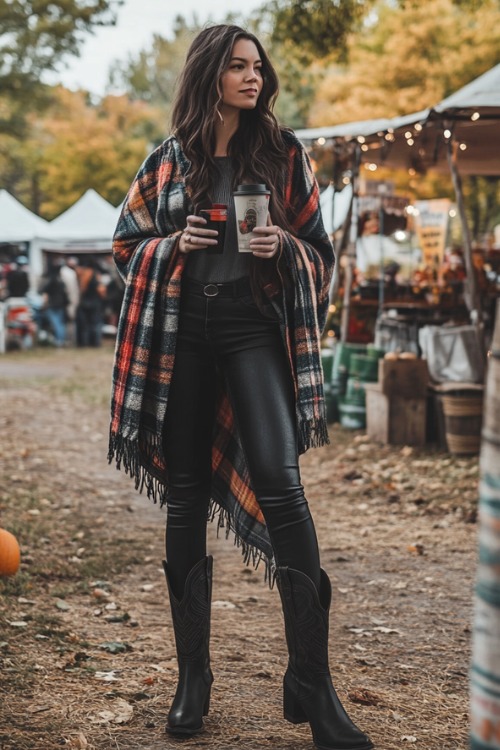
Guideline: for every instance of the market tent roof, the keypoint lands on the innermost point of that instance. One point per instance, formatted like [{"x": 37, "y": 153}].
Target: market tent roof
[
  {"x": 18, "y": 223},
  {"x": 360, "y": 128},
  {"x": 482, "y": 93},
  {"x": 88, "y": 225},
  {"x": 418, "y": 141}
]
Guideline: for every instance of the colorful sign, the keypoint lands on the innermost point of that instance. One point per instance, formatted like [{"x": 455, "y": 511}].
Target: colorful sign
[{"x": 431, "y": 225}]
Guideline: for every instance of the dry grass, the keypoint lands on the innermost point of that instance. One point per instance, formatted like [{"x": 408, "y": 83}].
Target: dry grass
[{"x": 398, "y": 539}]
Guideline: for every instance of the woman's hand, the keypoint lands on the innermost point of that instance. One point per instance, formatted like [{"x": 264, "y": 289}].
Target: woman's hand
[
  {"x": 195, "y": 236},
  {"x": 267, "y": 243}
]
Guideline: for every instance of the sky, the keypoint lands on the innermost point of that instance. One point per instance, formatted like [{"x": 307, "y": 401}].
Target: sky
[{"x": 137, "y": 21}]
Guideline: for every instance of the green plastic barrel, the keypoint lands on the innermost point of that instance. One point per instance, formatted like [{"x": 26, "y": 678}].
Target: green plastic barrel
[
  {"x": 364, "y": 367},
  {"x": 355, "y": 391},
  {"x": 374, "y": 351},
  {"x": 327, "y": 356},
  {"x": 352, "y": 415},
  {"x": 343, "y": 353}
]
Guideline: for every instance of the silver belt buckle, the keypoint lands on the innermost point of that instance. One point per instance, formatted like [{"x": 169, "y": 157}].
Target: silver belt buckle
[{"x": 210, "y": 290}]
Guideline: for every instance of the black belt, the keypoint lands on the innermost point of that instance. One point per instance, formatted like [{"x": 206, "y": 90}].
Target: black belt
[{"x": 238, "y": 288}]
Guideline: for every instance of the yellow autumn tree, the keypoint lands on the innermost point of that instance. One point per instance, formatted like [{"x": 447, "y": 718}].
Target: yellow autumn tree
[
  {"x": 76, "y": 145},
  {"x": 406, "y": 58}
]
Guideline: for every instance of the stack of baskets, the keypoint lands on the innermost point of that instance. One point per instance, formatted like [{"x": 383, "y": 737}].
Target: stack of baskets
[{"x": 353, "y": 365}]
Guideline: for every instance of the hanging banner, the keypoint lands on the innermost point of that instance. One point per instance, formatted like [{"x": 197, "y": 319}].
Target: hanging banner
[{"x": 431, "y": 225}]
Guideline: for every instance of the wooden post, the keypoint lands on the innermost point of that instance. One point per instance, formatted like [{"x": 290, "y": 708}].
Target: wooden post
[
  {"x": 485, "y": 672},
  {"x": 473, "y": 299},
  {"x": 351, "y": 248}
]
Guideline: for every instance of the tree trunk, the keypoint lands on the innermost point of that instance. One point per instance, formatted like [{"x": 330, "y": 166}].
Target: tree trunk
[{"x": 485, "y": 673}]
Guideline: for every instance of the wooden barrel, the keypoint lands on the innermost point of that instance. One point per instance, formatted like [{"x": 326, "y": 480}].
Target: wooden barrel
[{"x": 463, "y": 416}]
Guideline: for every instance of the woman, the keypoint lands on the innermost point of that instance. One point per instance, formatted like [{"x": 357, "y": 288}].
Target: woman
[{"x": 217, "y": 378}]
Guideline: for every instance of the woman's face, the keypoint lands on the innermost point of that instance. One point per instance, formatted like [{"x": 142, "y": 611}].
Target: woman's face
[{"x": 242, "y": 80}]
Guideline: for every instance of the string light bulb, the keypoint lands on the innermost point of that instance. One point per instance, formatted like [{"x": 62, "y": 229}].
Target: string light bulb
[
  {"x": 475, "y": 116},
  {"x": 447, "y": 133}
]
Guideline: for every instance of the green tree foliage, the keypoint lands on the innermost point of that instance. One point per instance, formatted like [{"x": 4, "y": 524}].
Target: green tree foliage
[
  {"x": 34, "y": 37},
  {"x": 316, "y": 28}
]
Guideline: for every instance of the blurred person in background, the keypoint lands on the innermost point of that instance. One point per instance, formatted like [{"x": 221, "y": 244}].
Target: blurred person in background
[
  {"x": 69, "y": 276},
  {"x": 55, "y": 303},
  {"x": 17, "y": 279},
  {"x": 89, "y": 313}
]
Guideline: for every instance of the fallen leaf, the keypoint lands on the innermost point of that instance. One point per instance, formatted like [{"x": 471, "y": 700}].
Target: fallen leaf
[
  {"x": 118, "y": 618},
  {"x": 123, "y": 711},
  {"x": 61, "y": 604},
  {"x": 116, "y": 647},
  {"x": 106, "y": 676},
  {"x": 219, "y": 604},
  {"x": 106, "y": 716},
  {"x": 100, "y": 593},
  {"x": 382, "y": 629},
  {"x": 417, "y": 548},
  {"x": 365, "y": 697},
  {"x": 79, "y": 742}
]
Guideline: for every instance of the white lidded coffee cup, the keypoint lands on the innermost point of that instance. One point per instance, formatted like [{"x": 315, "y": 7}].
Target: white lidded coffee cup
[{"x": 251, "y": 203}]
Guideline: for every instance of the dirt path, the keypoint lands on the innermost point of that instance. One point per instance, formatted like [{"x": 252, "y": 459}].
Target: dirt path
[{"x": 86, "y": 650}]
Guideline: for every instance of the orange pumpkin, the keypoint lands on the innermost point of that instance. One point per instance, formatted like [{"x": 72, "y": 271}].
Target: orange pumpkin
[{"x": 10, "y": 555}]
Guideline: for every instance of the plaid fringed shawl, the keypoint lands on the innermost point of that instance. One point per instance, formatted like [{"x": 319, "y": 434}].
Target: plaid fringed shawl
[{"x": 146, "y": 253}]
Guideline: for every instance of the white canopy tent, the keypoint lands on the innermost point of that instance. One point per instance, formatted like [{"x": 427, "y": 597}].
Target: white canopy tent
[
  {"x": 86, "y": 227},
  {"x": 18, "y": 223}
]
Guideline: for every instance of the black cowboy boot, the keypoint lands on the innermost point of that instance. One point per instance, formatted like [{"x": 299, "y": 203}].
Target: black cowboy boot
[
  {"x": 309, "y": 695},
  {"x": 191, "y": 618}
]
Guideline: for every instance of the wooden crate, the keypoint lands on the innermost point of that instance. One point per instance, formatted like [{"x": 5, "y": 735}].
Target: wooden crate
[
  {"x": 395, "y": 419},
  {"x": 403, "y": 377}
]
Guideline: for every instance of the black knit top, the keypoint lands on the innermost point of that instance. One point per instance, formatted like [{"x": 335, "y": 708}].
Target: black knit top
[{"x": 231, "y": 264}]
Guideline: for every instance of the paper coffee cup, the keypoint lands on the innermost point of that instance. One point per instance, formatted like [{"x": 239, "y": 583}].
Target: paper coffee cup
[{"x": 251, "y": 203}]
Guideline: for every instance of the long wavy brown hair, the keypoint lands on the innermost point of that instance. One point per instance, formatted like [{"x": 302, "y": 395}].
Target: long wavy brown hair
[{"x": 257, "y": 148}]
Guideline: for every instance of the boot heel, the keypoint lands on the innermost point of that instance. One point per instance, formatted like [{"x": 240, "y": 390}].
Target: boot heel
[
  {"x": 292, "y": 710},
  {"x": 206, "y": 705}
]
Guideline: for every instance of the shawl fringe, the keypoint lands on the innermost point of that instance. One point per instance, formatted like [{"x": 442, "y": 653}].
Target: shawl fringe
[
  {"x": 313, "y": 433},
  {"x": 126, "y": 454}
]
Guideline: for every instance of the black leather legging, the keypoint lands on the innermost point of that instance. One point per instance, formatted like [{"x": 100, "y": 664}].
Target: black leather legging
[{"x": 228, "y": 336}]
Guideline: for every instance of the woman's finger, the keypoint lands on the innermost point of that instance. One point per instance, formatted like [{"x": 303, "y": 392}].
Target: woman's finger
[{"x": 195, "y": 236}]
